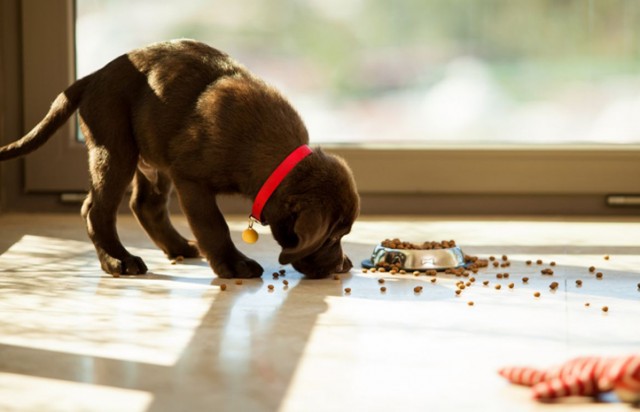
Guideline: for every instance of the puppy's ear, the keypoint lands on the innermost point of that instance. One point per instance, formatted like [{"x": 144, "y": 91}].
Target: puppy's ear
[{"x": 312, "y": 228}]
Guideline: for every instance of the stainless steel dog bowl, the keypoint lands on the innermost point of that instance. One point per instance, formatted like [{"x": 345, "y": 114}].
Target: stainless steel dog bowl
[{"x": 416, "y": 259}]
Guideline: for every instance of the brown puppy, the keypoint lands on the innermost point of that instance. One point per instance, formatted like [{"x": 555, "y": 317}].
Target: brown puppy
[{"x": 182, "y": 113}]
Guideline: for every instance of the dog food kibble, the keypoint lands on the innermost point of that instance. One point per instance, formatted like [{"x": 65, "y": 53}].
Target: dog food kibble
[
  {"x": 499, "y": 275},
  {"x": 382, "y": 270},
  {"x": 417, "y": 289},
  {"x": 525, "y": 279},
  {"x": 605, "y": 308},
  {"x": 381, "y": 281},
  {"x": 496, "y": 264},
  {"x": 461, "y": 286},
  {"x": 238, "y": 281},
  {"x": 285, "y": 282},
  {"x": 606, "y": 257},
  {"x": 432, "y": 272},
  {"x": 546, "y": 272},
  {"x": 536, "y": 294},
  {"x": 470, "y": 303},
  {"x": 416, "y": 273},
  {"x": 276, "y": 275},
  {"x": 528, "y": 262},
  {"x": 223, "y": 286},
  {"x": 539, "y": 262},
  {"x": 458, "y": 292},
  {"x": 638, "y": 286},
  {"x": 270, "y": 287},
  {"x": 347, "y": 290},
  {"x": 498, "y": 287},
  {"x": 586, "y": 305},
  {"x": 383, "y": 289},
  {"x": 505, "y": 258},
  {"x": 578, "y": 282},
  {"x": 599, "y": 275},
  {"x": 282, "y": 272},
  {"x": 553, "y": 285},
  {"x": 393, "y": 271},
  {"x": 336, "y": 277},
  {"x": 365, "y": 270},
  {"x": 485, "y": 282},
  {"x": 403, "y": 272},
  {"x": 511, "y": 285},
  {"x": 433, "y": 280},
  {"x": 592, "y": 269},
  {"x": 398, "y": 244},
  {"x": 472, "y": 279}
]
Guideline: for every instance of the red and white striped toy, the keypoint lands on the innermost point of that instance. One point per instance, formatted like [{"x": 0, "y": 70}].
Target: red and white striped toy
[{"x": 585, "y": 376}]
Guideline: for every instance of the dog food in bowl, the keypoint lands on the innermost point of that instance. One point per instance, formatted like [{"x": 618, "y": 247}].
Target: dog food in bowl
[{"x": 394, "y": 254}]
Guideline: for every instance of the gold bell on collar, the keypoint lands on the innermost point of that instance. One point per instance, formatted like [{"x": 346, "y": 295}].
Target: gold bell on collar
[{"x": 249, "y": 235}]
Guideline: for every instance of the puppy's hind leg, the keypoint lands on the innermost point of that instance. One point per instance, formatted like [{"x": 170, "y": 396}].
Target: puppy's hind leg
[
  {"x": 149, "y": 203},
  {"x": 111, "y": 172}
]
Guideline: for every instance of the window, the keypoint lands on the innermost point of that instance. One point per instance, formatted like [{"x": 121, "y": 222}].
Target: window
[
  {"x": 418, "y": 72},
  {"x": 455, "y": 103}
]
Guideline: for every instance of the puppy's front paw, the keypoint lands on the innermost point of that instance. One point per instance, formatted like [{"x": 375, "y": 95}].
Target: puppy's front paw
[
  {"x": 242, "y": 268},
  {"x": 130, "y": 265}
]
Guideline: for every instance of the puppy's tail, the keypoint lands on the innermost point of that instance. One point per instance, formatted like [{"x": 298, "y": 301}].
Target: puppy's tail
[{"x": 61, "y": 109}]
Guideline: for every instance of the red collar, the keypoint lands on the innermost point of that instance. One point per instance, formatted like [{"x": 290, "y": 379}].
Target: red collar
[{"x": 274, "y": 180}]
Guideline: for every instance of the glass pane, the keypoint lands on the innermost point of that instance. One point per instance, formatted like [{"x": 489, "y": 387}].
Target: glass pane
[{"x": 412, "y": 71}]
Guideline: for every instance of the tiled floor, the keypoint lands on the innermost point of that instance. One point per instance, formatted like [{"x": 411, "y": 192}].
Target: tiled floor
[{"x": 73, "y": 338}]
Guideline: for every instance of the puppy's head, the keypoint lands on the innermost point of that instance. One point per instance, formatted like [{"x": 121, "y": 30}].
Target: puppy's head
[{"x": 317, "y": 207}]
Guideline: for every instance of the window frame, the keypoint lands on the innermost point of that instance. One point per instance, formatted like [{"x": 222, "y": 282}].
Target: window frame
[{"x": 381, "y": 172}]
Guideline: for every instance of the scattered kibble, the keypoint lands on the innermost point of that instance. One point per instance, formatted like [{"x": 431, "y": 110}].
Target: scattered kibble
[
  {"x": 536, "y": 294},
  {"x": 547, "y": 272},
  {"x": 382, "y": 270},
  {"x": 347, "y": 290},
  {"x": 496, "y": 264},
  {"x": 528, "y": 262},
  {"x": 403, "y": 272},
  {"x": 552, "y": 263},
  {"x": 238, "y": 281},
  {"x": 470, "y": 303},
  {"x": 499, "y": 275},
  {"x": 578, "y": 282},
  {"x": 498, "y": 287},
  {"x": 485, "y": 282},
  {"x": 472, "y": 279},
  {"x": 282, "y": 272},
  {"x": 553, "y": 285},
  {"x": 336, "y": 277},
  {"x": 417, "y": 289},
  {"x": 511, "y": 285},
  {"x": 605, "y": 308},
  {"x": 539, "y": 262},
  {"x": 223, "y": 286},
  {"x": 285, "y": 282},
  {"x": 461, "y": 286},
  {"x": 433, "y": 280},
  {"x": 492, "y": 258},
  {"x": 587, "y": 304},
  {"x": 383, "y": 289},
  {"x": 381, "y": 280},
  {"x": 270, "y": 287},
  {"x": 458, "y": 292},
  {"x": 393, "y": 271},
  {"x": 525, "y": 279},
  {"x": 606, "y": 257},
  {"x": 365, "y": 270},
  {"x": 416, "y": 273},
  {"x": 505, "y": 258},
  {"x": 592, "y": 269},
  {"x": 505, "y": 275},
  {"x": 599, "y": 275},
  {"x": 276, "y": 275}
]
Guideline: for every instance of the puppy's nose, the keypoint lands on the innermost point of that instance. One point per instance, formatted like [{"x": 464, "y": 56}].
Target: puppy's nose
[{"x": 345, "y": 266}]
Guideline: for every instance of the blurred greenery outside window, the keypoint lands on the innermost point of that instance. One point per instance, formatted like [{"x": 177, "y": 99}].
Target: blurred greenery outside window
[{"x": 412, "y": 72}]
